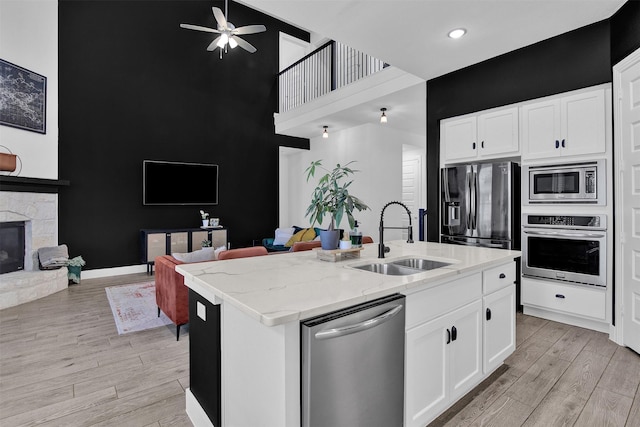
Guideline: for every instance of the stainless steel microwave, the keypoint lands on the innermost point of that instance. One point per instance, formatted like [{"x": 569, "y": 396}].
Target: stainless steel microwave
[{"x": 573, "y": 183}]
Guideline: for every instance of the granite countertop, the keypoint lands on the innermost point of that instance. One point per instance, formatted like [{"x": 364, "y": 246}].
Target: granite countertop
[{"x": 286, "y": 287}]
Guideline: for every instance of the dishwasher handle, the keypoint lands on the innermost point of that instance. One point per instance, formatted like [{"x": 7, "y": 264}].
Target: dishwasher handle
[{"x": 351, "y": 329}]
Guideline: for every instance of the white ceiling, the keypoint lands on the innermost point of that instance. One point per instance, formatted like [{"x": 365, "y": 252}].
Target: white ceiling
[{"x": 412, "y": 34}]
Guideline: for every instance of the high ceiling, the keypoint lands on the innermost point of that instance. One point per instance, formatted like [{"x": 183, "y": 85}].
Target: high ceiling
[{"x": 412, "y": 34}]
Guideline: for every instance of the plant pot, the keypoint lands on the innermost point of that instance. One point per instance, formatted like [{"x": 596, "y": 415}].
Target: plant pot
[
  {"x": 329, "y": 239},
  {"x": 205, "y": 222}
]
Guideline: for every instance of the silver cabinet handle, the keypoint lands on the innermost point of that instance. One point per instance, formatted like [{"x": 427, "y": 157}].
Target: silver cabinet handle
[{"x": 367, "y": 324}]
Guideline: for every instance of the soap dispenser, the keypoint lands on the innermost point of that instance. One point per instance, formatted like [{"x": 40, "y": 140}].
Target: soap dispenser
[{"x": 356, "y": 236}]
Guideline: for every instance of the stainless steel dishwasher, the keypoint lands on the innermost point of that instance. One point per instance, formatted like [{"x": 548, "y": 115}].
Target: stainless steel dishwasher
[{"x": 353, "y": 366}]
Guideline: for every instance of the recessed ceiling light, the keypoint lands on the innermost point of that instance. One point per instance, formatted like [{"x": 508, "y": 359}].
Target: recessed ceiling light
[{"x": 457, "y": 33}]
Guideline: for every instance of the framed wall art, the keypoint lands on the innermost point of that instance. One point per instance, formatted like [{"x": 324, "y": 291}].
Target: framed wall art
[{"x": 23, "y": 98}]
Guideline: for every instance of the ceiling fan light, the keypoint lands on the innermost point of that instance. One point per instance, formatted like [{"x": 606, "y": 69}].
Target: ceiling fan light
[
  {"x": 457, "y": 33},
  {"x": 224, "y": 38},
  {"x": 232, "y": 43}
]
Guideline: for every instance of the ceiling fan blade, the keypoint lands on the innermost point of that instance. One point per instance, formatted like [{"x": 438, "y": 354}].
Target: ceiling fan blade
[
  {"x": 245, "y": 45},
  {"x": 214, "y": 44},
  {"x": 198, "y": 28},
  {"x": 222, "y": 21},
  {"x": 250, "y": 29}
]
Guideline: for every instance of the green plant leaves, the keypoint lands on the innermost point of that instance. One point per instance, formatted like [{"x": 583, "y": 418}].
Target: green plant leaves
[{"x": 331, "y": 196}]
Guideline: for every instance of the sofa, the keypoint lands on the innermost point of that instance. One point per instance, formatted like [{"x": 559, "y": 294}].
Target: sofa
[
  {"x": 285, "y": 238},
  {"x": 172, "y": 296},
  {"x": 295, "y": 239}
]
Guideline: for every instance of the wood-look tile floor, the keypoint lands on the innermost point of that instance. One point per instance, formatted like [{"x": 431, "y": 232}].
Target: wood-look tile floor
[{"x": 63, "y": 363}]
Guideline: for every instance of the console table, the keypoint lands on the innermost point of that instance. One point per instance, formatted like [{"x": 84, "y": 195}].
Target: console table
[{"x": 157, "y": 242}]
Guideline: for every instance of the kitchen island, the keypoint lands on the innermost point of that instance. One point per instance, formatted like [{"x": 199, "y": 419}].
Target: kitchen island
[{"x": 254, "y": 307}]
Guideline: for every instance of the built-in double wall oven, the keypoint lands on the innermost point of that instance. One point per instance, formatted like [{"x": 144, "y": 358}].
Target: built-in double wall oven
[{"x": 568, "y": 248}]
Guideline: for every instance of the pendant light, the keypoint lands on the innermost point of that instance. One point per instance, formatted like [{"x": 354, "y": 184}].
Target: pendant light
[
  {"x": 325, "y": 132},
  {"x": 383, "y": 117}
]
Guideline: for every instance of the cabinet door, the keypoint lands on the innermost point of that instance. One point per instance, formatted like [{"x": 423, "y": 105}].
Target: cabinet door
[
  {"x": 498, "y": 133},
  {"x": 426, "y": 375},
  {"x": 499, "y": 327},
  {"x": 584, "y": 123},
  {"x": 196, "y": 239},
  {"x": 459, "y": 139},
  {"x": 179, "y": 242},
  {"x": 465, "y": 359},
  {"x": 219, "y": 238},
  {"x": 540, "y": 129},
  {"x": 156, "y": 246}
]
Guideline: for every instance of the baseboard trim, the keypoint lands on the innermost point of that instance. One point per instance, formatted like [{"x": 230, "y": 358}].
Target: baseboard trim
[
  {"x": 114, "y": 271},
  {"x": 567, "y": 318}
]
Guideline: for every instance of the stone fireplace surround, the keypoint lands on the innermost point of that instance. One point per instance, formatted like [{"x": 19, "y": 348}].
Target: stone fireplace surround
[{"x": 39, "y": 211}]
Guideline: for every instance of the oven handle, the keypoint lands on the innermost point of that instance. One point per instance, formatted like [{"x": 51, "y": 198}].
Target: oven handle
[{"x": 555, "y": 233}]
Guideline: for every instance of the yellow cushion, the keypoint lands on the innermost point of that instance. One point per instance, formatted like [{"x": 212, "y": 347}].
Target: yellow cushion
[{"x": 304, "y": 235}]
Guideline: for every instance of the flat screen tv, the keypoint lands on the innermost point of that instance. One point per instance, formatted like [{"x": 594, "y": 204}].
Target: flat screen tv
[{"x": 178, "y": 183}]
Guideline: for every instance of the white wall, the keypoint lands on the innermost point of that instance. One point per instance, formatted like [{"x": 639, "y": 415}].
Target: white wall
[
  {"x": 378, "y": 152},
  {"x": 29, "y": 38}
]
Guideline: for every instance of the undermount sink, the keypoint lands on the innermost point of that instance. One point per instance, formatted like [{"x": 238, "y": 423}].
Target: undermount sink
[
  {"x": 420, "y": 263},
  {"x": 402, "y": 267}
]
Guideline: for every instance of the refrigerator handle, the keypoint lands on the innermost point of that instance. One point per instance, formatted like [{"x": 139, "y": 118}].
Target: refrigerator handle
[
  {"x": 472, "y": 200},
  {"x": 475, "y": 200},
  {"x": 468, "y": 198},
  {"x": 445, "y": 185}
]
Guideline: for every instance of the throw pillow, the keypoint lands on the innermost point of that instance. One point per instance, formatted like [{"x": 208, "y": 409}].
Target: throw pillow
[
  {"x": 218, "y": 250},
  {"x": 304, "y": 235},
  {"x": 282, "y": 236},
  {"x": 204, "y": 254}
]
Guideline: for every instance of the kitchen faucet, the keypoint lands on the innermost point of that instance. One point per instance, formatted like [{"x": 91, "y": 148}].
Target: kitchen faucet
[{"x": 381, "y": 247}]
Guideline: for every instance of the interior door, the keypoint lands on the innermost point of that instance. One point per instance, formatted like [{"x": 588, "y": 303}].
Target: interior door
[
  {"x": 411, "y": 190},
  {"x": 627, "y": 84}
]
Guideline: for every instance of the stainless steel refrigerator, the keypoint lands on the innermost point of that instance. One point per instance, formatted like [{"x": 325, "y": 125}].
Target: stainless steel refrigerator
[{"x": 481, "y": 205}]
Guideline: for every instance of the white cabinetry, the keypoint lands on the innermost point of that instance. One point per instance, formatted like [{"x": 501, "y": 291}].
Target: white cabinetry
[
  {"x": 584, "y": 301},
  {"x": 564, "y": 126},
  {"x": 487, "y": 135},
  {"x": 444, "y": 360},
  {"x": 499, "y": 327},
  {"x": 451, "y": 342},
  {"x": 499, "y": 322}
]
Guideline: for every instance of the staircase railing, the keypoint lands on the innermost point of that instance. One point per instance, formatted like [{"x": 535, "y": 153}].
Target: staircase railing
[{"x": 331, "y": 66}]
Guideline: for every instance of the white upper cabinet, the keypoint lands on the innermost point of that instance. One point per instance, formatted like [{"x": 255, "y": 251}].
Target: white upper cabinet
[
  {"x": 498, "y": 133},
  {"x": 487, "y": 135},
  {"x": 459, "y": 138},
  {"x": 564, "y": 126}
]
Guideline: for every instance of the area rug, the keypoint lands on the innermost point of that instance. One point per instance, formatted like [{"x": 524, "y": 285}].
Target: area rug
[{"x": 134, "y": 307}]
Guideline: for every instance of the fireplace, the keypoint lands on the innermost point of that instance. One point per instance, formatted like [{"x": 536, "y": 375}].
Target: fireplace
[
  {"x": 11, "y": 246},
  {"x": 37, "y": 211}
]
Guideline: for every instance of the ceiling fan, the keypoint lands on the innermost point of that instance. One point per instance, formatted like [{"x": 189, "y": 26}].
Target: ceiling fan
[{"x": 228, "y": 32}]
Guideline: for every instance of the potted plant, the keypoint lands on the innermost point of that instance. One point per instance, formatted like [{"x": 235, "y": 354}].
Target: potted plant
[
  {"x": 332, "y": 197},
  {"x": 205, "y": 218}
]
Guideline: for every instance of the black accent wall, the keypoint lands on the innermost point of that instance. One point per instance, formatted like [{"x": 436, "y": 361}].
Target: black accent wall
[
  {"x": 570, "y": 61},
  {"x": 625, "y": 31},
  {"x": 134, "y": 86}
]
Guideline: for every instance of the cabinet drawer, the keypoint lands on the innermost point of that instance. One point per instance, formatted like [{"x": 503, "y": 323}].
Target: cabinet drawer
[
  {"x": 430, "y": 303},
  {"x": 570, "y": 299},
  {"x": 498, "y": 277}
]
